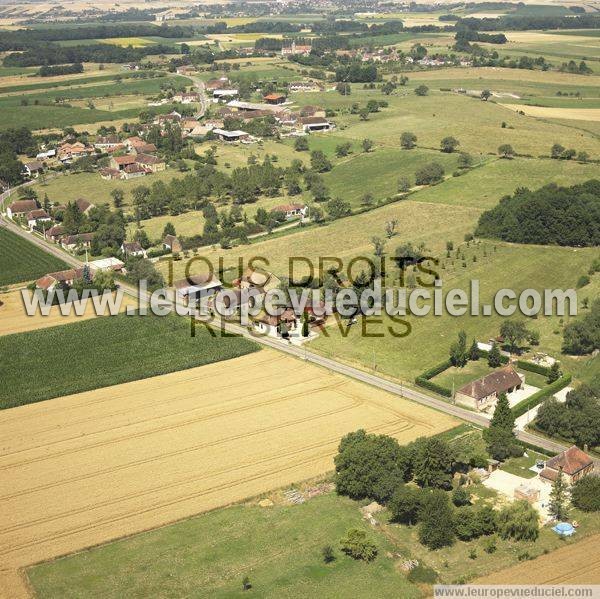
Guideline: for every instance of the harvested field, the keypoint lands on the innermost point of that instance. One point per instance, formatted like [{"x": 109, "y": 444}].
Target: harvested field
[
  {"x": 574, "y": 564},
  {"x": 545, "y": 112},
  {"x": 13, "y": 318},
  {"x": 87, "y": 468}
]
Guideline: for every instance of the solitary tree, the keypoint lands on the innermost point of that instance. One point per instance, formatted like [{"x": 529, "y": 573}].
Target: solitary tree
[
  {"x": 449, "y": 144},
  {"x": 519, "y": 521},
  {"x": 486, "y": 95},
  {"x": 378, "y": 245},
  {"x": 408, "y": 140},
  {"x": 494, "y": 357},
  {"x": 458, "y": 351},
  {"x": 422, "y": 90},
  {"x": 390, "y": 227},
  {"x": 474, "y": 351},
  {"x": 367, "y": 145},
  {"x": 554, "y": 373},
  {"x": 169, "y": 229},
  {"x": 514, "y": 331},
  {"x": 558, "y": 504},
  {"x": 506, "y": 151},
  {"x": 117, "y": 196}
]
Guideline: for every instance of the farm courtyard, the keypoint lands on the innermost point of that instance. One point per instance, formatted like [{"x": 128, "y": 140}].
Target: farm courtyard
[{"x": 83, "y": 469}]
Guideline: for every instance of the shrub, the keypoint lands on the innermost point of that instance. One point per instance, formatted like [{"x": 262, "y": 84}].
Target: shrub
[
  {"x": 356, "y": 544},
  {"x": 423, "y": 574},
  {"x": 460, "y": 497},
  {"x": 519, "y": 521},
  {"x": 585, "y": 494},
  {"x": 490, "y": 545},
  {"x": 328, "y": 554}
]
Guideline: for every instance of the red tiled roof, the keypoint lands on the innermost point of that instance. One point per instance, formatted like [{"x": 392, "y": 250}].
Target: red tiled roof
[
  {"x": 123, "y": 160},
  {"x": 23, "y": 206},
  {"x": 274, "y": 97},
  {"x": 571, "y": 461},
  {"x": 497, "y": 382}
]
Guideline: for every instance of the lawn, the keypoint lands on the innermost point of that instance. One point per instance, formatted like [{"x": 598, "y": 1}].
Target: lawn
[
  {"x": 23, "y": 261},
  {"x": 455, "y": 378},
  {"x": 278, "y": 548},
  {"x": 521, "y": 466},
  {"x": 378, "y": 172},
  {"x": 105, "y": 351}
]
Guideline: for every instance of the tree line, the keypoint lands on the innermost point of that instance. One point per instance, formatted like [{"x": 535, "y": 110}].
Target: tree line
[{"x": 568, "y": 216}]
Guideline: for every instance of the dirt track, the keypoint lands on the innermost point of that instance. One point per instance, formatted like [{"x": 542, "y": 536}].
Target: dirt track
[
  {"x": 574, "y": 564},
  {"x": 83, "y": 469}
]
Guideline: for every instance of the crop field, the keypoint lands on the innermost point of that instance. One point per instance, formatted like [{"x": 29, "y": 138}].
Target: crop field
[
  {"x": 124, "y": 348},
  {"x": 546, "y": 112},
  {"x": 22, "y": 261},
  {"x": 578, "y": 563},
  {"x": 13, "y": 318},
  {"x": 88, "y": 468}
]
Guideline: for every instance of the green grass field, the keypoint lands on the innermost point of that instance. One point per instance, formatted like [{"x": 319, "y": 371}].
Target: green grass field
[
  {"x": 105, "y": 351},
  {"x": 278, "y": 548},
  {"x": 510, "y": 266},
  {"x": 23, "y": 261},
  {"x": 92, "y": 187}
]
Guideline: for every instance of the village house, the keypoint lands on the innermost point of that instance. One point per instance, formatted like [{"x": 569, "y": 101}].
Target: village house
[
  {"x": 172, "y": 243},
  {"x": 186, "y": 70},
  {"x": 83, "y": 205},
  {"x": 75, "y": 242},
  {"x": 186, "y": 97},
  {"x": 221, "y": 83},
  {"x": 110, "y": 174},
  {"x": 573, "y": 463},
  {"x": 67, "y": 152},
  {"x": 314, "y": 111},
  {"x": 257, "y": 279},
  {"x": 295, "y": 49},
  {"x": 33, "y": 169},
  {"x": 201, "y": 130},
  {"x": 274, "y": 99},
  {"x": 195, "y": 288},
  {"x": 37, "y": 216},
  {"x": 21, "y": 208},
  {"x": 108, "y": 142},
  {"x": 54, "y": 233},
  {"x": 119, "y": 163},
  {"x": 132, "y": 248},
  {"x": 484, "y": 392},
  {"x": 172, "y": 117},
  {"x": 65, "y": 277},
  {"x": 238, "y": 105},
  {"x": 303, "y": 86},
  {"x": 276, "y": 326},
  {"x": 133, "y": 171},
  {"x": 46, "y": 154},
  {"x": 292, "y": 210},
  {"x": 150, "y": 162}
]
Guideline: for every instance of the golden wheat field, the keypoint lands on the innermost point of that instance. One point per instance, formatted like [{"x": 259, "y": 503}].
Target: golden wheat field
[
  {"x": 13, "y": 318},
  {"x": 545, "y": 112},
  {"x": 573, "y": 564},
  {"x": 83, "y": 469}
]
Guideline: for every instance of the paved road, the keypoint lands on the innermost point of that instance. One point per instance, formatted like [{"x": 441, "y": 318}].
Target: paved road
[{"x": 303, "y": 353}]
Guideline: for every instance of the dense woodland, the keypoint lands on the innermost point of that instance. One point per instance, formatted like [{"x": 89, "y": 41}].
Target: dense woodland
[{"x": 551, "y": 215}]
